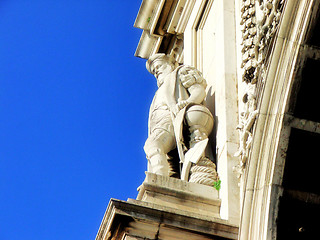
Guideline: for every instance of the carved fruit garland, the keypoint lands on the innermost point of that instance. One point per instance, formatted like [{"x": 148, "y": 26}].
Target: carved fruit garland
[{"x": 259, "y": 21}]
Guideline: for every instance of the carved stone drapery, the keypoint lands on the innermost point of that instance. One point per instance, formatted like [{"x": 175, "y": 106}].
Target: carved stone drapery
[{"x": 259, "y": 21}]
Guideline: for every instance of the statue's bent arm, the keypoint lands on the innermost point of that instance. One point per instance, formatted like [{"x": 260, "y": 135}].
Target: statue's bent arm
[{"x": 197, "y": 93}]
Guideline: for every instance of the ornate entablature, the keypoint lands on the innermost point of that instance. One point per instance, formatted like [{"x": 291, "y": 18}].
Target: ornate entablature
[{"x": 259, "y": 22}]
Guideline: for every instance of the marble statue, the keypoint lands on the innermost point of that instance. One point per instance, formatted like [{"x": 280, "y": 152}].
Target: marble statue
[{"x": 179, "y": 123}]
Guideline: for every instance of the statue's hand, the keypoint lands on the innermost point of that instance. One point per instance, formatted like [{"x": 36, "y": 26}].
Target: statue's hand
[{"x": 181, "y": 105}]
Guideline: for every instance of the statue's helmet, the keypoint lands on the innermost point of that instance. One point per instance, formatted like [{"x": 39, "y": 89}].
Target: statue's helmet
[{"x": 160, "y": 57}]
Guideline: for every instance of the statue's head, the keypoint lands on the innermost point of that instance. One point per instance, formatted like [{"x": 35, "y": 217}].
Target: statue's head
[{"x": 160, "y": 65}]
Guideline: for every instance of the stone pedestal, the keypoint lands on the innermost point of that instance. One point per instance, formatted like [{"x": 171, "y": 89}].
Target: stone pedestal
[
  {"x": 180, "y": 195},
  {"x": 167, "y": 208}
]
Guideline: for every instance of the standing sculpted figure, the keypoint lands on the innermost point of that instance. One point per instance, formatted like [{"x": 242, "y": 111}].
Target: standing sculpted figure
[{"x": 177, "y": 108}]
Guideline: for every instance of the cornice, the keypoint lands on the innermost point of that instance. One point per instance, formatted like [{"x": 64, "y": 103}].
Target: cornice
[{"x": 163, "y": 22}]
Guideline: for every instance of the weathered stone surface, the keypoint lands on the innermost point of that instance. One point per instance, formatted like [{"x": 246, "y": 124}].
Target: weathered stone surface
[
  {"x": 134, "y": 219},
  {"x": 178, "y": 194}
]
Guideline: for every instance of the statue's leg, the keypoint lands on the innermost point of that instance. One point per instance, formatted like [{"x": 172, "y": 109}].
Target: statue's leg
[
  {"x": 159, "y": 164},
  {"x": 157, "y": 146}
]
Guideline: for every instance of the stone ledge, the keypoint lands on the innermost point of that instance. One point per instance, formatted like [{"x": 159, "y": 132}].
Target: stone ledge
[
  {"x": 177, "y": 211},
  {"x": 178, "y": 194},
  {"x": 141, "y": 219},
  {"x": 177, "y": 185}
]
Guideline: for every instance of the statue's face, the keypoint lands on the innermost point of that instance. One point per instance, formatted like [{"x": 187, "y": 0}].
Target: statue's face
[{"x": 160, "y": 70}]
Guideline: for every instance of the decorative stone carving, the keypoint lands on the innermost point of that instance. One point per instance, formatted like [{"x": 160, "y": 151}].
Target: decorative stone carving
[
  {"x": 179, "y": 123},
  {"x": 259, "y": 21},
  {"x": 204, "y": 172},
  {"x": 247, "y": 119}
]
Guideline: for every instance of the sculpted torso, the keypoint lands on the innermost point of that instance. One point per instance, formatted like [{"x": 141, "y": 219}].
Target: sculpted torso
[{"x": 159, "y": 98}]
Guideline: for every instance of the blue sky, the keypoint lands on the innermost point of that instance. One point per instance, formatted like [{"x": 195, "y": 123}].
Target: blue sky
[{"x": 73, "y": 104}]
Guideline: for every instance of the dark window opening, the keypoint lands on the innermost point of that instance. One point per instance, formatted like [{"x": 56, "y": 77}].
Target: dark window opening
[
  {"x": 314, "y": 32},
  {"x": 303, "y": 162},
  {"x": 297, "y": 220},
  {"x": 299, "y": 207},
  {"x": 308, "y": 96}
]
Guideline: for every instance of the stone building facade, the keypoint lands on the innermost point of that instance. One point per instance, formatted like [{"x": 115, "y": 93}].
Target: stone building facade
[{"x": 260, "y": 59}]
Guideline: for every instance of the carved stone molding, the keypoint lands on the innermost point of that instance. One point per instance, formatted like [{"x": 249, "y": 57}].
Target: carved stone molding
[{"x": 259, "y": 23}]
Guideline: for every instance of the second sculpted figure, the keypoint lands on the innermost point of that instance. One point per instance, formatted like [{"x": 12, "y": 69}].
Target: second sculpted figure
[{"x": 177, "y": 118}]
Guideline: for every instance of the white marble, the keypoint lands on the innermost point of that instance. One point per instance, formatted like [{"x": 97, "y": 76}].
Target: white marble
[{"x": 177, "y": 107}]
